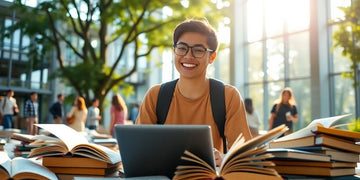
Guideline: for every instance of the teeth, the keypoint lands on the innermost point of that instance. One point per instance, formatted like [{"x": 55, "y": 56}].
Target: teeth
[{"x": 188, "y": 65}]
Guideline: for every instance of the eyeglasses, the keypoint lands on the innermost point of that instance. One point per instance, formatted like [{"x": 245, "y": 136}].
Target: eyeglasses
[{"x": 197, "y": 51}]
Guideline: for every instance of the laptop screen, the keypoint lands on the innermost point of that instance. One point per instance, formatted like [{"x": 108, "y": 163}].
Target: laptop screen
[{"x": 149, "y": 150}]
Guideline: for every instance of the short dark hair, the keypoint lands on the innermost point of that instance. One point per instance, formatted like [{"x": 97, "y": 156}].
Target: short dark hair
[
  {"x": 59, "y": 95},
  {"x": 93, "y": 100},
  {"x": 202, "y": 27},
  {"x": 9, "y": 90},
  {"x": 249, "y": 105},
  {"x": 32, "y": 93}
]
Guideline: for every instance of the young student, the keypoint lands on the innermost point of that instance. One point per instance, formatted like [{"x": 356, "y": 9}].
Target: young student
[
  {"x": 57, "y": 110},
  {"x": 118, "y": 113},
  {"x": 79, "y": 114},
  {"x": 284, "y": 111},
  {"x": 93, "y": 117},
  {"x": 31, "y": 112},
  {"x": 195, "y": 45},
  {"x": 8, "y": 107},
  {"x": 252, "y": 117}
]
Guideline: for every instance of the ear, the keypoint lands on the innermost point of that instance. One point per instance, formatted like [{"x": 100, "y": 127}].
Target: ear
[{"x": 212, "y": 57}]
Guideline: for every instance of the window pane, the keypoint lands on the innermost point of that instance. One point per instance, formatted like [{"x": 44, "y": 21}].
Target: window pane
[
  {"x": 274, "y": 91},
  {"x": 302, "y": 94},
  {"x": 335, "y": 12},
  {"x": 257, "y": 96},
  {"x": 274, "y": 17},
  {"x": 299, "y": 55},
  {"x": 222, "y": 67},
  {"x": 344, "y": 96},
  {"x": 298, "y": 15},
  {"x": 275, "y": 59},
  {"x": 341, "y": 63},
  {"x": 256, "y": 72},
  {"x": 254, "y": 20}
]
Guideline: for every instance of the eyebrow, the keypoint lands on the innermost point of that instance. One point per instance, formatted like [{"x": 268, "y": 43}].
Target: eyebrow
[{"x": 193, "y": 45}]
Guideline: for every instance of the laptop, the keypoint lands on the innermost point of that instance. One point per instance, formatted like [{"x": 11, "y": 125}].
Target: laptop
[{"x": 153, "y": 150}]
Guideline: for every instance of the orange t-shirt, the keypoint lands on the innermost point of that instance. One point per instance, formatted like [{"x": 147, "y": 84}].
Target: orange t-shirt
[{"x": 198, "y": 111}]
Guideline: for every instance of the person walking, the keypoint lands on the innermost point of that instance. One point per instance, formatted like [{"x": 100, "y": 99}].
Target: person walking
[
  {"x": 31, "y": 111},
  {"x": 93, "y": 117},
  {"x": 284, "y": 111},
  {"x": 57, "y": 109},
  {"x": 78, "y": 114},
  {"x": 252, "y": 117},
  {"x": 8, "y": 108},
  {"x": 118, "y": 113}
]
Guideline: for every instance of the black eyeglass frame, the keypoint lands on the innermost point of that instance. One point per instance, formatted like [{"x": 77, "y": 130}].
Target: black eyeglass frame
[{"x": 192, "y": 52}]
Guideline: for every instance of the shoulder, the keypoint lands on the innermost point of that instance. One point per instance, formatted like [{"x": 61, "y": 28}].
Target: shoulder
[
  {"x": 232, "y": 92},
  {"x": 231, "y": 89},
  {"x": 153, "y": 92}
]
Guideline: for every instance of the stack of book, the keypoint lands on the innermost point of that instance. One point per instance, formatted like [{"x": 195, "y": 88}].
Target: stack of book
[
  {"x": 2, "y": 144},
  {"x": 334, "y": 152},
  {"x": 103, "y": 139},
  {"x": 74, "y": 166},
  {"x": 23, "y": 147},
  {"x": 71, "y": 155}
]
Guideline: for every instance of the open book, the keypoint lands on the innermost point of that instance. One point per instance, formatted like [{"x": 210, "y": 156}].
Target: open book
[
  {"x": 323, "y": 126},
  {"x": 21, "y": 168},
  {"x": 70, "y": 142},
  {"x": 243, "y": 161}
]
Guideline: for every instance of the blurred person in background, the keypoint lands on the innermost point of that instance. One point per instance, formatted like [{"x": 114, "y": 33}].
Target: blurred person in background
[
  {"x": 31, "y": 112},
  {"x": 93, "y": 117},
  {"x": 78, "y": 113},
  {"x": 57, "y": 109},
  {"x": 118, "y": 113},
  {"x": 252, "y": 117},
  {"x": 284, "y": 111},
  {"x": 8, "y": 108}
]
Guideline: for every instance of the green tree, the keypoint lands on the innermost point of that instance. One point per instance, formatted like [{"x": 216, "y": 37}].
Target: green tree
[
  {"x": 140, "y": 25},
  {"x": 347, "y": 37}
]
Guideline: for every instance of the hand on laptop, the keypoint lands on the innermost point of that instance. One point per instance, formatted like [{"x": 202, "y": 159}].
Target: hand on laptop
[{"x": 218, "y": 157}]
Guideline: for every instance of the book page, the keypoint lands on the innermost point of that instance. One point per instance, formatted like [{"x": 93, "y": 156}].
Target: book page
[
  {"x": 309, "y": 129},
  {"x": 69, "y": 136},
  {"x": 5, "y": 161},
  {"x": 22, "y": 165},
  {"x": 99, "y": 152},
  {"x": 252, "y": 143},
  {"x": 329, "y": 121}
]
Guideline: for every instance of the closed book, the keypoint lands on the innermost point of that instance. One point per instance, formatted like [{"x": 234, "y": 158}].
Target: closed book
[
  {"x": 283, "y": 153},
  {"x": 314, "y": 171},
  {"x": 332, "y": 164},
  {"x": 335, "y": 154},
  {"x": 83, "y": 162},
  {"x": 320, "y": 139},
  {"x": 87, "y": 171}
]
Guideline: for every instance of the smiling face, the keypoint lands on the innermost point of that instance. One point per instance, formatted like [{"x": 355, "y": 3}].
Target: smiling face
[{"x": 188, "y": 66}]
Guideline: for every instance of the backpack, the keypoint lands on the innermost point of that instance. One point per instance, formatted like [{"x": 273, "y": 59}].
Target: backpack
[{"x": 217, "y": 99}]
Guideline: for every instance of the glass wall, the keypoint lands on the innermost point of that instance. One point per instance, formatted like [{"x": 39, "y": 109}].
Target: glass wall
[
  {"x": 277, "y": 43},
  {"x": 343, "y": 91},
  {"x": 278, "y": 53}
]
